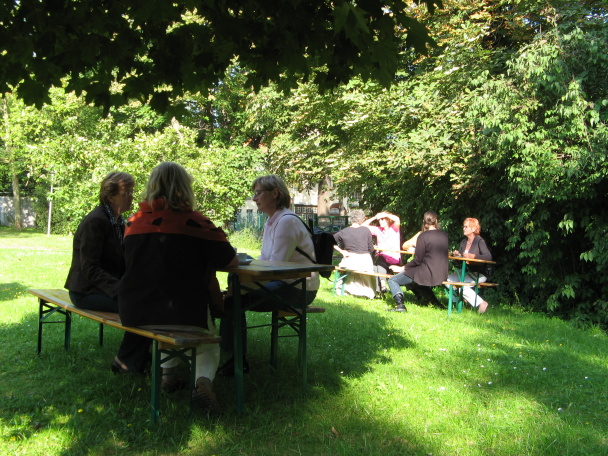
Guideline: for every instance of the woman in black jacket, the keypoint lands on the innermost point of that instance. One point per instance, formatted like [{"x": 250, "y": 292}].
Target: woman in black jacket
[
  {"x": 472, "y": 246},
  {"x": 428, "y": 268},
  {"x": 98, "y": 261}
]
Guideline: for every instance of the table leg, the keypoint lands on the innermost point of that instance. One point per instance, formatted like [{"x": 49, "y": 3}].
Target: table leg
[
  {"x": 302, "y": 340},
  {"x": 450, "y": 298},
  {"x": 238, "y": 344},
  {"x": 463, "y": 273}
]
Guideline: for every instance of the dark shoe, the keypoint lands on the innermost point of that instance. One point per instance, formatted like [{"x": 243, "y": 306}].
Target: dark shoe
[
  {"x": 399, "y": 301},
  {"x": 400, "y": 308},
  {"x": 227, "y": 369},
  {"x": 117, "y": 367},
  {"x": 204, "y": 398}
]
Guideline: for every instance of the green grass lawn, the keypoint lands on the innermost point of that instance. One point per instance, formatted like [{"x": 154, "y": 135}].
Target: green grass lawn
[{"x": 380, "y": 383}]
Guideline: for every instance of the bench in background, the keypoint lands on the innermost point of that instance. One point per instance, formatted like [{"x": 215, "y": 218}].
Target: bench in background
[{"x": 451, "y": 291}]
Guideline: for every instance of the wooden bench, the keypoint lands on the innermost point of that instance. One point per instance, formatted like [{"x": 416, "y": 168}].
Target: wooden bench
[
  {"x": 291, "y": 318},
  {"x": 343, "y": 273},
  {"x": 452, "y": 285},
  {"x": 172, "y": 343}
]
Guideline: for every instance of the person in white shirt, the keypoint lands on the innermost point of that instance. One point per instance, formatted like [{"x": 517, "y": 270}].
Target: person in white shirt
[{"x": 284, "y": 234}]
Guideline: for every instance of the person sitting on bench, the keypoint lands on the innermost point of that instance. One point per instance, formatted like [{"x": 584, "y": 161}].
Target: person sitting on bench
[
  {"x": 428, "y": 268},
  {"x": 473, "y": 246},
  {"x": 388, "y": 237},
  {"x": 357, "y": 247},
  {"x": 172, "y": 252},
  {"x": 285, "y": 238},
  {"x": 98, "y": 261}
]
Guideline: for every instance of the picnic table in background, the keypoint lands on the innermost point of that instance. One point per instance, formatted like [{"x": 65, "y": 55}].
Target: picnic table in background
[{"x": 462, "y": 276}]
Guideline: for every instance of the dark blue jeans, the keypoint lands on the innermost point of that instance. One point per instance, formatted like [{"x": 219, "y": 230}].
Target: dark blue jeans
[
  {"x": 397, "y": 281},
  {"x": 422, "y": 293},
  {"x": 284, "y": 293},
  {"x": 95, "y": 301},
  {"x": 134, "y": 350}
]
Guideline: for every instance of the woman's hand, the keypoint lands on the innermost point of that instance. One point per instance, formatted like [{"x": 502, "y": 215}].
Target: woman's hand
[
  {"x": 469, "y": 255},
  {"x": 396, "y": 269},
  {"x": 456, "y": 253}
]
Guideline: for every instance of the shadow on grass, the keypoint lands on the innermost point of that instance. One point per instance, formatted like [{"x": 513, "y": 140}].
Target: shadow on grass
[
  {"x": 8, "y": 291},
  {"x": 75, "y": 399},
  {"x": 74, "y": 396}
]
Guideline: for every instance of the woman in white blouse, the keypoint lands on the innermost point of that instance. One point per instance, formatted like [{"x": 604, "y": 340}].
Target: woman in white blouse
[{"x": 285, "y": 238}]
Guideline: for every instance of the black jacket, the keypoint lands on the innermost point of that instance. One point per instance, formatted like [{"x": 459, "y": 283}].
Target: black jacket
[
  {"x": 481, "y": 251},
  {"x": 98, "y": 261},
  {"x": 430, "y": 264}
]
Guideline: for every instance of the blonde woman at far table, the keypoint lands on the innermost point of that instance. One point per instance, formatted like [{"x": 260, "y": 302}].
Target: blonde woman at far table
[
  {"x": 472, "y": 246},
  {"x": 410, "y": 244},
  {"x": 356, "y": 246}
]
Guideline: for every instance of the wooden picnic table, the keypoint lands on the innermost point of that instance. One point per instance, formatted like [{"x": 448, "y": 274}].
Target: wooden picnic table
[
  {"x": 461, "y": 276},
  {"x": 258, "y": 272}
]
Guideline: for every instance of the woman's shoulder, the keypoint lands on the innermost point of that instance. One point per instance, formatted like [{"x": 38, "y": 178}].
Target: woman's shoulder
[
  {"x": 97, "y": 216},
  {"x": 289, "y": 217}
]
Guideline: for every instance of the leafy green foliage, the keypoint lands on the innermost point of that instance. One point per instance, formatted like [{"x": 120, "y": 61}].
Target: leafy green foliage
[
  {"x": 158, "y": 50},
  {"x": 506, "y": 122}
]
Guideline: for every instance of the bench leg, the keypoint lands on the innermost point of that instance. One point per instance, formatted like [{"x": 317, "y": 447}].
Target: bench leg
[
  {"x": 302, "y": 344},
  {"x": 40, "y": 315},
  {"x": 460, "y": 300},
  {"x": 274, "y": 338},
  {"x": 156, "y": 375},
  {"x": 450, "y": 299},
  {"x": 45, "y": 310},
  {"x": 68, "y": 330}
]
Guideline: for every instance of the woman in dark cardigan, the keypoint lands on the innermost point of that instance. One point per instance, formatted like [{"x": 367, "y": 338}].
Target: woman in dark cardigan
[
  {"x": 428, "y": 268},
  {"x": 98, "y": 261},
  {"x": 472, "y": 246}
]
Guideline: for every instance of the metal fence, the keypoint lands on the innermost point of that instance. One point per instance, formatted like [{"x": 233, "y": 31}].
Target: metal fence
[{"x": 255, "y": 221}]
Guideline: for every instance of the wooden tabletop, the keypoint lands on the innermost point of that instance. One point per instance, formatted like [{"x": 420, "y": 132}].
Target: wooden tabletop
[
  {"x": 273, "y": 270},
  {"x": 472, "y": 260},
  {"x": 451, "y": 257},
  {"x": 407, "y": 252}
]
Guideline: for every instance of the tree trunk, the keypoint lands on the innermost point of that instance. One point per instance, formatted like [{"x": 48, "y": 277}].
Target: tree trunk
[
  {"x": 324, "y": 196},
  {"x": 18, "y": 225}
]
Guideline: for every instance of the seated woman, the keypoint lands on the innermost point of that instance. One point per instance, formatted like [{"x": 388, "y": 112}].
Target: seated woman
[
  {"x": 98, "y": 261},
  {"x": 410, "y": 244},
  {"x": 171, "y": 254},
  {"x": 387, "y": 237},
  {"x": 355, "y": 244},
  {"x": 285, "y": 238},
  {"x": 428, "y": 268},
  {"x": 472, "y": 246}
]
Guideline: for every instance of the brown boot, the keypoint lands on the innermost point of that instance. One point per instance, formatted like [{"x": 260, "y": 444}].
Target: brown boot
[{"x": 204, "y": 398}]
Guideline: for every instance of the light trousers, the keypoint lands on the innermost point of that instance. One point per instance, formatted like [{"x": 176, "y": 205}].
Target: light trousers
[{"x": 468, "y": 293}]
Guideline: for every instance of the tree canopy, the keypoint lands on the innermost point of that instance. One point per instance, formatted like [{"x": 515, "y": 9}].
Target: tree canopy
[{"x": 157, "y": 50}]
